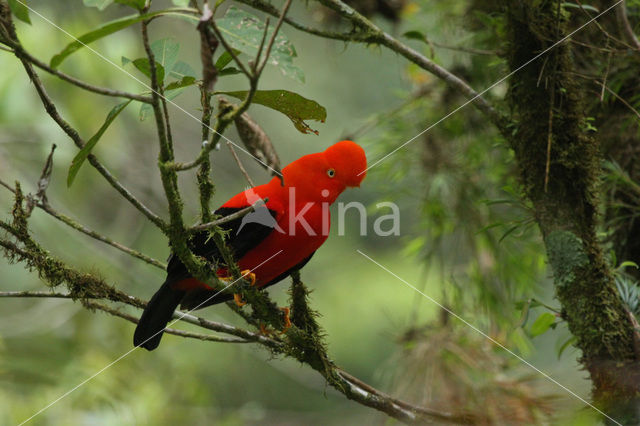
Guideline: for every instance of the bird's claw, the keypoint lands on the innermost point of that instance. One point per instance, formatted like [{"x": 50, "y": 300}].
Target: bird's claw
[
  {"x": 251, "y": 277},
  {"x": 287, "y": 320},
  {"x": 285, "y": 327},
  {"x": 238, "y": 299}
]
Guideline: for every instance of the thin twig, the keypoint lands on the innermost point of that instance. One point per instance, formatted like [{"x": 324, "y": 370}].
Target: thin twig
[
  {"x": 115, "y": 312},
  {"x": 187, "y": 334},
  {"x": 366, "y": 32},
  {"x": 600, "y": 27},
  {"x": 627, "y": 104},
  {"x": 237, "y": 215},
  {"x": 256, "y": 62},
  {"x": 443, "y": 416},
  {"x": 93, "y": 234},
  {"x": 75, "y": 81},
  {"x": 623, "y": 22},
  {"x": 178, "y": 236},
  {"x": 50, "y": 108},
  {"x": 272, "y": 40},
  {"x": 606, "y": 74},
  {"x": 471, "y": 50},
  {"x": 229, "y": 49},
  {"x": 240, "y": 165}
]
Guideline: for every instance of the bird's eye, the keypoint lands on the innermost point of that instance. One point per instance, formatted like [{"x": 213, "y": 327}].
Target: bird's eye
[{"x": 331, "y": 173}]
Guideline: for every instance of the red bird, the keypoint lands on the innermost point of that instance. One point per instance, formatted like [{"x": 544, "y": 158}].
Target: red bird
[{"x": 268, "y": 244}]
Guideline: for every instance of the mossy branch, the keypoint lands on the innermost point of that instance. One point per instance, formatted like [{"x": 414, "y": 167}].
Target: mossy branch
[
  {"x": 561, "y": 181},
  {"x": 302, "y": 341}
]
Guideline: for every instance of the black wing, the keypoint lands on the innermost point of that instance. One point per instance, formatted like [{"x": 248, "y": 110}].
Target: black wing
[{"x": 241, "y": 237}]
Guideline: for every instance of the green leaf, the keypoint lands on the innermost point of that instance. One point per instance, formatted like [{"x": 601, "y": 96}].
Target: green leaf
[
  {"x": 78, "y": 160},
  {"x": 20, "y": 10},
  {"x": 165, "y": 53},
  {"x": 100, "y": 4},
  {"x": 107, "y": 29},
  {"x": 566, "y": 344},
  {"x": 146, "y": 109},
  {"x": 628, "y": 263},
  {"x": 509, "y": 232},
  {"x": 244, "y": 32},
  {"x": 542, "y": 324},
  {"x": 136, "y": 4},
  {"x": 181, "y": 70},
  {"x": 225, "y": 58},
  {"x": 186, "y": 81},
  {"x": 229, "y": 71},
  {"x": 142, "y": 64},
  {"x": 180, "y": 3},
  {"x": 290, "y": 104},
  {"x": 416, "y": 35},
  {"x": 580, "y": 6}
]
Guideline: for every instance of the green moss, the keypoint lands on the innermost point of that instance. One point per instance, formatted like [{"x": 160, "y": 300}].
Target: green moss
[{"x": 566, "y": 254}]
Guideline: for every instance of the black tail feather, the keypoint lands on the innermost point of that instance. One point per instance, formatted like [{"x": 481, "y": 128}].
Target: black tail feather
[{"x": 156, "y": 316}]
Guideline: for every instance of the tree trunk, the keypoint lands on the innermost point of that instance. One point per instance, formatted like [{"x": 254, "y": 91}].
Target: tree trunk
[{"x": 559, "y": 165}]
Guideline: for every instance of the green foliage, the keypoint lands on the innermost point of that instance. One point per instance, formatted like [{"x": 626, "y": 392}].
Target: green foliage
[
  {"x": 542, "y": 324},
  {"x": 629, "y": 293},
  {"x": 20, "y": 10},
  {"x": 165, "y": 52},
  {"x": 99, "y": 4},
  {"x": 102, "y": 4},
  {"x": 146, "y": 110},
  {"x": 416, "y": 35},
  {"x": 105, "y": 30},
  {"x": 244, "y": 32},
  {"x": 224, "y": 60},
  {"x": 294, "y": 106},
  {"x": 81, "y": 156},
  {"x": 565, "y": 344}
]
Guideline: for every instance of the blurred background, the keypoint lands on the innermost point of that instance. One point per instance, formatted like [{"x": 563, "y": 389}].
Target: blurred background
[{"x": 466, "y": 238}]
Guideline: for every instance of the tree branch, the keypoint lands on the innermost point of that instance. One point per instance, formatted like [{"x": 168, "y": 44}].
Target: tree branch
[
  {"x": 73, "y": 80},
  {"x": 91, "y": 233},
  {"x": 625, "y": 26},
  {"x": 6, "y": 27},
  {"x": 352, "y": 387},
  {"x": 367, "y": 32}
]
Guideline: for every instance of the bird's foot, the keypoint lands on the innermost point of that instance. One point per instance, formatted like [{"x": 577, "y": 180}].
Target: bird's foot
[
  {"x": 238, "y": 299},
  {"x": 287, "y": 323},
  {"x": 251, "y": 277},
  {"x": 287, "y": 320}
]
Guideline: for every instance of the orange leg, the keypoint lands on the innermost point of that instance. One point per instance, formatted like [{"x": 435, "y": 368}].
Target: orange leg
[
  {"x": 251, "y": 277},
  {"x": 238, "y": 299},
  {"x": 263, "y": 330},
  {"x": 287, "y": 323},
  {"x": 287, "y": 320}
]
